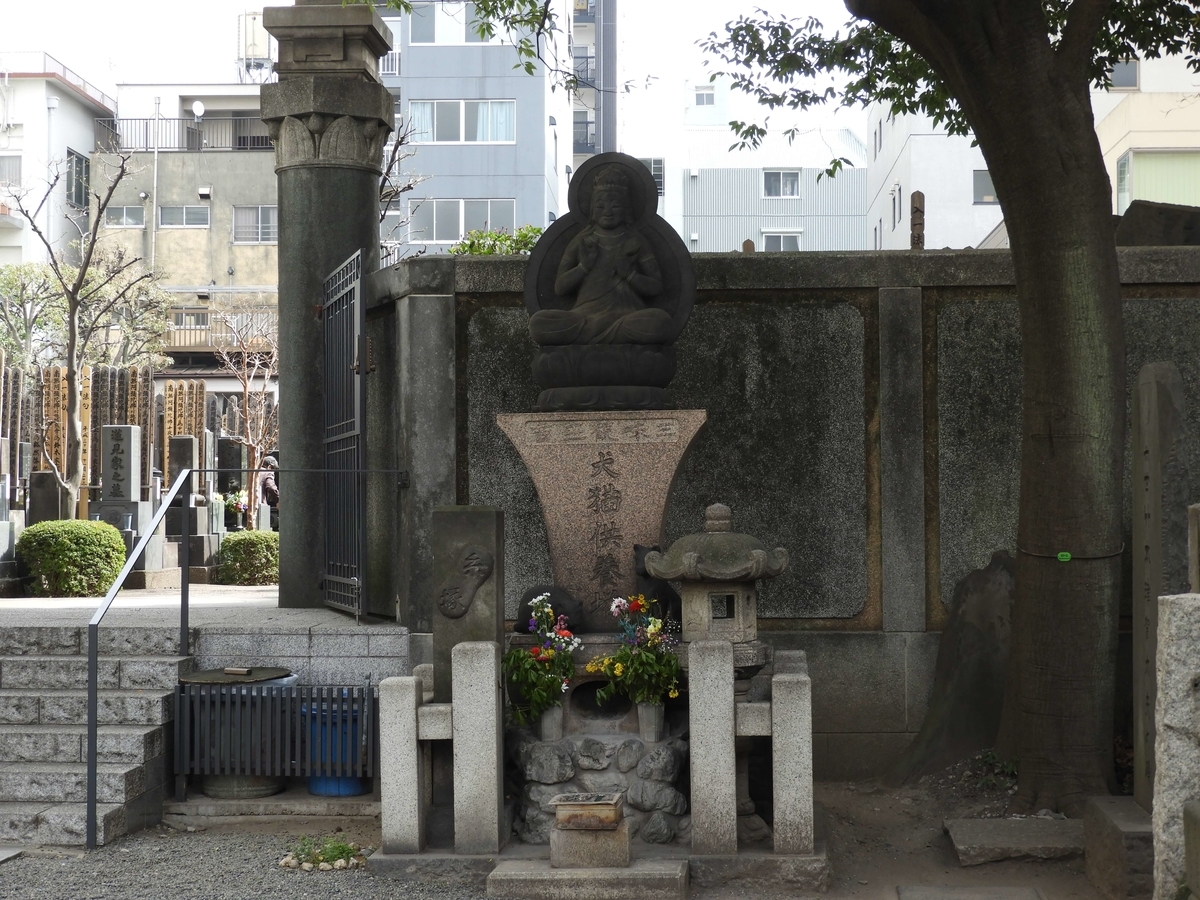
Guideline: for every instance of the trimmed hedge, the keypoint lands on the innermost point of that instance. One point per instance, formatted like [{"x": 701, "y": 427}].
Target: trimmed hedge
[
  {"x": 71, "y": 558},
  {"x": 250, "y": 557}
]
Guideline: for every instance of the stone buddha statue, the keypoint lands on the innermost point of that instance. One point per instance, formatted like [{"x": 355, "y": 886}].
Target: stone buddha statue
[{"x": 610, "y": 272}]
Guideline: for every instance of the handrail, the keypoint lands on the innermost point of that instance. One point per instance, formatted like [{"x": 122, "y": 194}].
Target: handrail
[{"x": 93, "y": 686}]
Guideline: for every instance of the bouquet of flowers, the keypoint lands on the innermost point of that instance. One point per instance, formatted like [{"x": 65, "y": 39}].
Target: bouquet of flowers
[
  {"x": 237, "y": 501},
  {"x": 538, "y": 676},
  {"x": 646, "y": 668}
]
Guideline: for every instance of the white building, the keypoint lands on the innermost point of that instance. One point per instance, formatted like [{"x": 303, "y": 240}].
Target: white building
[
  {"x": 47, "y": 115},
  {"x": 1148, "y": 124}
]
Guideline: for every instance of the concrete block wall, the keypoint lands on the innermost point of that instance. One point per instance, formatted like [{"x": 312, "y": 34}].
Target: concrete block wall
[
  {"x": 320, "y": 654},
  {"x": 863, "y": 411}
]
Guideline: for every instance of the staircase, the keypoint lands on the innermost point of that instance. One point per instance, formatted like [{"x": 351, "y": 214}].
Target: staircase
[{"x": 43, "y": 731}]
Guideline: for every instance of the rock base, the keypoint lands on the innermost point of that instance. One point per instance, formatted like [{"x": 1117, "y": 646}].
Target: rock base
[
  {"x": 589, "y": 849},
  {"x": 646, "y": 879},
  {"x": 988, "y": 840},
  {"x": 1119, "y": 843}
]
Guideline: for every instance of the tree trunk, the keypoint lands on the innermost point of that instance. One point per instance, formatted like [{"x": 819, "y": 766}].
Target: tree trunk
[
  {"x": 73, "y": 476},
  {"x": 1057, "y": 206}
]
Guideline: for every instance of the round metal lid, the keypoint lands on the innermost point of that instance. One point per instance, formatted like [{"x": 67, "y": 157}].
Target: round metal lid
[{"x": 220, "y": 676}]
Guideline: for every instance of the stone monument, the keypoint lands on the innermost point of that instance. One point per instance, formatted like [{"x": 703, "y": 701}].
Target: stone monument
[
  {"x": 120, "y": 503},
  {"x": 609, "y": 289}
]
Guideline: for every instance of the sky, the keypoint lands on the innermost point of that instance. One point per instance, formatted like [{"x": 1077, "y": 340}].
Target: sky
[{"x": 166, "y": 41}]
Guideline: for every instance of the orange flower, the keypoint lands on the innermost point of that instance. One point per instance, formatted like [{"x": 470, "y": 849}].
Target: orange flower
[
  {"x": 635, "y": 605},
  {"x": 563, "y": 633}
]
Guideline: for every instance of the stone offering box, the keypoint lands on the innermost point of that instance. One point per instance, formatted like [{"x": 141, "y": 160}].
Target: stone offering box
[{"x": 587, "y": 812}]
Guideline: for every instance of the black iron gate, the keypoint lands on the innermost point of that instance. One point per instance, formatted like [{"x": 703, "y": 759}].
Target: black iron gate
[{"x": 345, "y": 447}]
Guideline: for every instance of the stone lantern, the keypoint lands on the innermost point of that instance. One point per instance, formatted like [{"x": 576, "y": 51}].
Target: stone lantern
[{"x": 718, "y": 571}]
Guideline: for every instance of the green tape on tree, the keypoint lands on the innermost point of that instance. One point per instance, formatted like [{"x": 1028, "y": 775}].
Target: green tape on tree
[{"x": 1064, "y": 556}]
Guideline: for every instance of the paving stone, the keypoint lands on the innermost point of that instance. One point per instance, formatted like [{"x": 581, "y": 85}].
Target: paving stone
[
  {"x": 1119, "y": 842},
  {"x": 929, "y": 892},
  {"x": 534, "y": 879},
  {"x": 987, "y": 840}
]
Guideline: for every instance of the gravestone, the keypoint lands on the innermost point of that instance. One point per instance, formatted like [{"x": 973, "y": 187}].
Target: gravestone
[
  {"x": 48, "y": 500},
  {"x": 1194, "y": 547},
  {"x": 1160, "y": 496},
  {"x": 184, "y": 453},
  {"x": 603, "y": 479},
  {"x": 120, "y": 503},
  {"x": 468, "y": 576}
]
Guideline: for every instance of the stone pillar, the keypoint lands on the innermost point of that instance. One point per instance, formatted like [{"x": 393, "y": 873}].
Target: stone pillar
[
  {"x": 1177, "y": 774},
  {"x": 328, "y": 117},
  {"x": 791, "y": 762},
  {"x": 478, "y": 735},
  {"x": 714, "y": 767},
  {"x": 1160, "y": 496},
  {"x": 902, "y": 458},
  {"x": 401, "y": 766},
  {"x": 1194, "y": 547}
]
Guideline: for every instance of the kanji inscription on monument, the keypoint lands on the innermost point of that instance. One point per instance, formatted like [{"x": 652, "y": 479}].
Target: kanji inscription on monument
[
  {"x": 603, "y": 479},
  {"x": 121, "y": 463}
]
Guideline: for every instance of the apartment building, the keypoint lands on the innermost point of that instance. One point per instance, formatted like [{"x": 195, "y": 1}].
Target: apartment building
[
  {"x": 593, "y": 30},
  {"x": 200, "y": 207},
  {"x": 490, "y": 142},
  {"x": 1148, "y": 124},
  {"x": 46, "y": 131}
]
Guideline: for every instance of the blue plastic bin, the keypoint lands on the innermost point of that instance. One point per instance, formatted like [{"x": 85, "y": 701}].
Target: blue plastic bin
[{"x": 331, "y": 736}]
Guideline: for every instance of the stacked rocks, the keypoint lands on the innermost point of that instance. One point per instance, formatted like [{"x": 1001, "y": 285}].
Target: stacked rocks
[{"x": 652, "y": 776}]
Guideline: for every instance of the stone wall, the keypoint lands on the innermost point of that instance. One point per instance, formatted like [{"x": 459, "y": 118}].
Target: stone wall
[{"x": 783, "y": 351}]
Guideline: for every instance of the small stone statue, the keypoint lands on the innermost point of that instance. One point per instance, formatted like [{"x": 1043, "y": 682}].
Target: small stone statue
[
  {"x": 611, "y": 272},
  {"x": 609, "y": 288}
]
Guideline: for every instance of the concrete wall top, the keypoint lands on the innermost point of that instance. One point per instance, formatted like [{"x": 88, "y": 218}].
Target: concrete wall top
[{"x": 775, "y": 272}]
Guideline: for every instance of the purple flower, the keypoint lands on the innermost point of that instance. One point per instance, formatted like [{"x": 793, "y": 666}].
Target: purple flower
[{"x": 547, "y": 644}]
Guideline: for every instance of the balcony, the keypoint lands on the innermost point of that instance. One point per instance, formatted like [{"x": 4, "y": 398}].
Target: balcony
[
  {"x": 584, "y": 10},
  {"x": 585, "y": 137},
  {"x": 9, "y": 218},
  {"x": 181, "y": 134},
  {"x": 201, "y": 328},
  {"x": 34, "y": 63},
  {"x": 585, "y": 70}
]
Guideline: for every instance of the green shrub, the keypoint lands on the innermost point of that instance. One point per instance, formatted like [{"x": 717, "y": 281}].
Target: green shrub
[
  {"x": 498, "y": 243},
  {"x": 250, "y": 557},
  {"x": 71, "y": 558}
]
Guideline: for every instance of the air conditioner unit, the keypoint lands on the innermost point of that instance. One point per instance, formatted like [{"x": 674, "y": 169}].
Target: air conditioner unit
[
  {"x": 695, "y": 236},
  {"x": 205, "y": 191}
]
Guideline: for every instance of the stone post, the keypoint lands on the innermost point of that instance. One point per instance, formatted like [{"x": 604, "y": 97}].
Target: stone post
[
  {"x": 714, "y": 765},
  {"x": 791, "y": 761},
  {"x": 1194, "y": 547},
  {"x": 1160, "y": 496},
  {"x": 902, "y": 458},
  {"x": 478, "y": 735},
  {"x": 329, "y": 117},
  {"x": 402, "y": 769}
]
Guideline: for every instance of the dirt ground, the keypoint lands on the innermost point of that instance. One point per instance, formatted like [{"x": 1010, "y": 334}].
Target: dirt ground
[{"x": 879, "y": 838}]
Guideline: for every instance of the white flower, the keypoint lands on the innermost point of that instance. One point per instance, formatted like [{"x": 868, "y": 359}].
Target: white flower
[{"x": 564, "y": 687}]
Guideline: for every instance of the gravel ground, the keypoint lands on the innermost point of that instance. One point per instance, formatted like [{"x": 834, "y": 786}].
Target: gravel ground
[{"x": 162, "y": 864}]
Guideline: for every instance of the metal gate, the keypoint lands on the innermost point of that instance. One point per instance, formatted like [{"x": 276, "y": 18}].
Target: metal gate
[{"x": 344, "y": 316}]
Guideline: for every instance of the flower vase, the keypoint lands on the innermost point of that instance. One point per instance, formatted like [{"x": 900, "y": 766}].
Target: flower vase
[
  {"x": 551, "y": 724},
  {"x": 650, "y": 721}
]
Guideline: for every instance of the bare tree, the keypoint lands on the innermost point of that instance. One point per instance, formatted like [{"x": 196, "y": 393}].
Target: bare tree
[
  {"x": 250, "y": 353},
  {"x": 394, "y": 184},
  {"x": 91, "y": 291}
]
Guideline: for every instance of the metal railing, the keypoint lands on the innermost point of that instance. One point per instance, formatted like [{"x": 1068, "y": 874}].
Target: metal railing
[
  {"x": 32, "y": 62},
  {"x": 194, "y": 134},
  {"x": 93, "y": 664},
  {"x": 202, "y": 327},
  {"x": 585, "y": 137},
  {"x": 585, "y": 69}
]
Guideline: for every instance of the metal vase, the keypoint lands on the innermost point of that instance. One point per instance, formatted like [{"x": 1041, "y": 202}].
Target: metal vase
[{"x": 650, "y": 721}]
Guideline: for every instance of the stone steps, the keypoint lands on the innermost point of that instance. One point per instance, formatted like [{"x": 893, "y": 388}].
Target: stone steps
[
  {"x": 134, "y": 744},
  {"x": 26, "y": 706},
  {"x": 48, "y": 782},
  {"x": 71, "y": 640},
  {"x": 114, "y": 672},
  {"x": 58, "y": 824}
]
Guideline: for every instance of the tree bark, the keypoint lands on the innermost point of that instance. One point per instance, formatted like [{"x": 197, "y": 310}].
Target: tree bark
[{"x": 1030, "y": 108}]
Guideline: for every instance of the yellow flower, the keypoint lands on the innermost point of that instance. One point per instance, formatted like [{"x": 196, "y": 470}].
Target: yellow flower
[
  {"x": 593, "y": 666},
  {"x": 619, "y": 670},
  {"x": 548, "y": 654},
  {"x": 673, "y": 694}
]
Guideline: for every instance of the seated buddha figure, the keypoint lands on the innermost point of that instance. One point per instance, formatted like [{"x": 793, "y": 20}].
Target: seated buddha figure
[{"x": 610, "y": 272}]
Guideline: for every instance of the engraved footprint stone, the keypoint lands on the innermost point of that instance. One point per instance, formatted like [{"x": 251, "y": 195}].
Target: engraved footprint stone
[{"x": 473, "y": 569}]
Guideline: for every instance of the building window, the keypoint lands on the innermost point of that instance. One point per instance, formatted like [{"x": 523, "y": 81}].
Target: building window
[
  {"x": 125, "y": 217},
  {"x": 447, "y": 221},
  {"x": 446, "y": 22},
  {"x": 656, "y": 169},
  {"x": 1123, "y": 183},
  {"x": 78, "y": 173},
  {"x": 389, "y": 63},
  {"x": 780, "y": 243},
  {"x": 463, "y": 121},
  {"x": 255, "y": 224},
  {"x": 781, "y": 184},
  {"x": 183, "y": 216},
  {"x": 10, "y": 170},
  {"x": 706, "y": 95},
  {"x": 1124, "y": 75},
  {"x": 897, "y": 205},
  {"x": 984, "y": 192}
]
